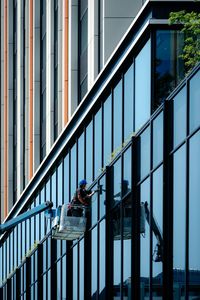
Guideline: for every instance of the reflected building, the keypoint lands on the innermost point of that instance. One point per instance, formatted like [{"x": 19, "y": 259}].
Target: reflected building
[{"x": 97, "y": 90}]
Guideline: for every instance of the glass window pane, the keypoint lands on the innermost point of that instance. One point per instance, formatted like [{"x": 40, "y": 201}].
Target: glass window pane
[
  {"x": 194, "y": 219},
  {"x": 116, "y": 227},
  {"x": 179, "y": 212},
  {"x": 126, "y": 182},
  {"x": 128, "y": 104},
  {"x": 94, "y": 264},
  {"x": 157, "y": 240},
  {"x": 169, "y": 64},
  {"x": 98, "y": 143},
  {"x": 102, "y": 197},
  {"x": 94, "y": 207},
  {"x": 53, "y": 189},
  {"x": 60, "y": 184},
  {"x": 195, "y": 102},
  {"x": 43, "y": 221},
  {"x": 102, "y": 261},
  {"x": 48, "y": 197},
  {"x": 81, "y": 153},
  {"x": 143, "y": 86},
  {"x": 145, "y": 153},
  {"x": 73, "y": 171},
  {"x": 37, "y": 221},
  {"x": 75, "y": 273},
  {"x": 145, "y": 244},
  {"x": 158, "y": 140},
  {"x": 66, "y": 179},
  {"x": 107, "y": 131},
  {"x": 89, "y": 153},
  {"x": 117, "y": 118},
  {"x": 179, "y": 117},
  {"x": 127, "y": 222},
  {"x": 117, "y": 182},
  {"x": 81, "y": 269},
  {"x": 58, "y": 271},
  {"x": 64, "y": 278}
]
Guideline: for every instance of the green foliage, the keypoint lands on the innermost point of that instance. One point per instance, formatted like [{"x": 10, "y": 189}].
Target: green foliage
[{"x": 191, "y": 29}]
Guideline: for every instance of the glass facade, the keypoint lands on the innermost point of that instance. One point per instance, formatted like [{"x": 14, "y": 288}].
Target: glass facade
[{"x": 127, "y": 151}]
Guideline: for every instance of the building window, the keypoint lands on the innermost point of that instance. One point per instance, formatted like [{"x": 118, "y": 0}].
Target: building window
[
  {"x": 83, "y": 48},
  {"x": 169, "y": 67},
  {"x": 179, "y": 110},
  {"x": 143, "y": 86},
  {"x": 117, "y": 116},
  {"x": 43, "y": 83},
  {"x": 194, "y": 220},
  {"x": 194, "y": 102},
  {"x": 179, "y": 216}
]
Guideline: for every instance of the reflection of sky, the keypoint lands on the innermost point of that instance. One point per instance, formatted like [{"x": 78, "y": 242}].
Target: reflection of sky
[{"x": 179, "y": 208}]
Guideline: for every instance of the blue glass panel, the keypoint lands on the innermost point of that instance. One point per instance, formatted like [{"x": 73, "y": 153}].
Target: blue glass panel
[
  {"x": 145, "y": 244},
  {"x": 127, "y": 163},
  {"x": 11, "y": 251},
  {"x": 145, "y": 153},
  {"x": 94, "y": 207},
  {"x": 98, "y": 143},
  {"x": 32, "y": 232},
  {"x": 45, "y": 287},
  {"x": 81, "y": 269},
  {"x": 127, "y": 222},
  {"x": 179, "y": 215},
  {"x": 73, "y": 171},
  {"x": 158, "y": 218},
  {"x": 49, "y": 285},
  {"x": 169, "y": 64},
  {"x": 117, "y": 182},
  {"x": 64, "y": 278},
  {"x": 195, "y": 101},
  {"x": 37, "y": 221},
  {"x": 179, "y": 117},
  {"x": 54, "y": 189},
  {"x": 94, "y": 264},
  {"x": 117, "y": 255},
  {"x": 42, "y": 199},
  {"x": 44, "y": 255},
  {"x": 143, "y": 86},
  {"x": 158, "y": 139},
  {"x": 128, "y": 104},
  {"x": 60, "y": 184},
  {"x": 89, "y": 153},
  {"x": 117, "y": 117},
  {"x": 75, "y": 273},
  {"x": 58, "y": 271},
  {"x": 66, "y": 179},
  {"x": 102, "y": 196},
  {"x": 194, "y": 220},
  {"x": 49, "y": 198},
  {"x": 36, "y": 265},
  {"x": 81, "y": 153},
  {"x": 19, "y": 243},
  {"x": 107, "y": 130},
  {"x": 102, "y": 261},
  {"x": 14, "y": 247}
]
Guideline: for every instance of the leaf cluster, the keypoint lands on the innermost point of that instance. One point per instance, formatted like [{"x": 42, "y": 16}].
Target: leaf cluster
[{"x": 190, "y": 22}]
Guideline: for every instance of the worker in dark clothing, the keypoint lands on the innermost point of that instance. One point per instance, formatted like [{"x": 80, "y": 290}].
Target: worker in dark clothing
[{"x": 82, "y": 197}]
